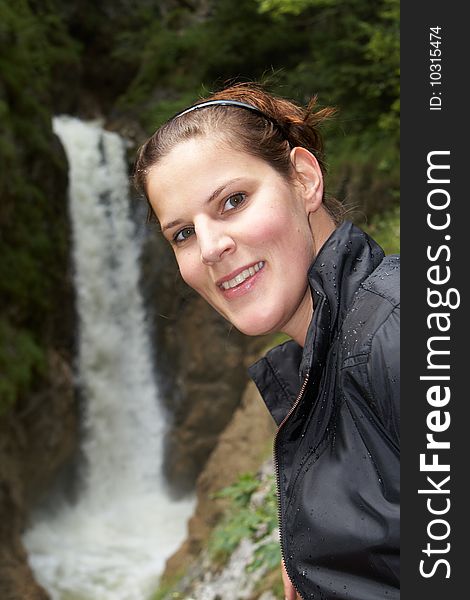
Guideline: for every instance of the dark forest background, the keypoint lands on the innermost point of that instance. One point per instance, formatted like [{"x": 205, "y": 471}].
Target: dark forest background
[{"x": 134, "y": 63}]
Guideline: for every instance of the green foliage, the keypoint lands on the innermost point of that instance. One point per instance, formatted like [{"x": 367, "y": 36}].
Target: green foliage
[
  {"x": 240, "y": 492},
  {"x": 247, "y": 520},
  {"x": 32, "y": 44},
  {"x": 352, "y": 60},
  {"x": 346, "y": 51},
  {"x": 33, "y": 239},
  {"x": 186, "y": 57},
  {"x": 244, "y": 518},
  {"x": 292, "y": 7},
  {"x": 20, "y": 357},
  {"x": 152, "y": 59},
  {"x": 267, "y": 555},
  {"x": 385, "y": 229},
  {"x": 166, "y": 590},
  {"x": 383, "y": 51}
]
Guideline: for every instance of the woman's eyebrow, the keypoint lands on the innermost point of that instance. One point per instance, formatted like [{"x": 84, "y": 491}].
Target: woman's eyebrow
[
  {"x": 214, "y": 195},
  {"x": 171, "y": 225},
  {"x": 220, "y": 189}
]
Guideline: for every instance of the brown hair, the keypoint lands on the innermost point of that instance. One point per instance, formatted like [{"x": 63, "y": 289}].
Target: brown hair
[{"x": 269, "y": 135}]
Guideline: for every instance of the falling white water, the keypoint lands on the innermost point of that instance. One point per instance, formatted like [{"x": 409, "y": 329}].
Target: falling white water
[{"x": 112, "y": 543}]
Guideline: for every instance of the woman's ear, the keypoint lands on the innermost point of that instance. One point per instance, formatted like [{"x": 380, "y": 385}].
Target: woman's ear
[{"x": 308, "y": 174}]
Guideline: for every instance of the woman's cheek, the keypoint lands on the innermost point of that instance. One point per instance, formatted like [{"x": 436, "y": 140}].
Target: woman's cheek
[
  {"x": 190, "y": 271},
  {"x": 183, "y": 266},
  {"x": 266, "y": 230},
  {"x": 186, "y": 275}
]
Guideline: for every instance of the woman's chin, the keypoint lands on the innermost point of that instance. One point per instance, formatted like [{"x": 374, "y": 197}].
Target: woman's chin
[
  {"x": 254, "y": 320},
  {"x": 255, "y": 327}
]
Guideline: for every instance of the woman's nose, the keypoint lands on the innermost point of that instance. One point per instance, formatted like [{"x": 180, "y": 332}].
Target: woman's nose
[{"x": 214, "y": 243}]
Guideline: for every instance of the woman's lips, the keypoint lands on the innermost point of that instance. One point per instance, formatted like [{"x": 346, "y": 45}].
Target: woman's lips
[
  {"x": 241, "y": 276},
  {"x": 242, "y": 281}
]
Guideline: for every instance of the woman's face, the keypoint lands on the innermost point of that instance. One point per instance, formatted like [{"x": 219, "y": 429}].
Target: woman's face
[{"x": 240, "y": 232}]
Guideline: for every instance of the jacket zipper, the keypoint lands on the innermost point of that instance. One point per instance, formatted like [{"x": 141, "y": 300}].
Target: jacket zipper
[{"x": 276, "y": 465}]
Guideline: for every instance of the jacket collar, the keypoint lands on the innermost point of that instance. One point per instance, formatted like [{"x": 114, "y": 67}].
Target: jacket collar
[{"x": 345, "y": 260}]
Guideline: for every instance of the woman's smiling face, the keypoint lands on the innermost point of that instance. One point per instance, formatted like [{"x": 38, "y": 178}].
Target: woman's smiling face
[{"x": 240, "y": 232}]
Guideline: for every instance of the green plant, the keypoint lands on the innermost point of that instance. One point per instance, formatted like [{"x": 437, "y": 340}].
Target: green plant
[
  {"x": 267, "y": 555},
  {"x": 33, "y": 220},
  {"x": 166, "y": 589},
  {"x": 20, "y": 358},
  {"x": 347, "y": 52},
  {"x": 247, "y": 519},
  {"x": 385, "y": 229}
]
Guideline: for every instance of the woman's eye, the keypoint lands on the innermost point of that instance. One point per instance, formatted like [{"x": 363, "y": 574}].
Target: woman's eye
[
  {"x": 183, "y": 234},
  {"x": 234, "y": 201}
]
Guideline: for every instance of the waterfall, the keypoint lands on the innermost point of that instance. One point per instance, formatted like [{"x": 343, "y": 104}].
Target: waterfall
[{"x": 111, "y": 543}]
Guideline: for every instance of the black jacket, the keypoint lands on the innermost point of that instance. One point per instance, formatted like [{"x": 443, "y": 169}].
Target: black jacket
[{"x": 337, "y": 449}]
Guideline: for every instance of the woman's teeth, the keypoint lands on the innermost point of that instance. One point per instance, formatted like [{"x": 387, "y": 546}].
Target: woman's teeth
[{"x": 241, "y": 277}]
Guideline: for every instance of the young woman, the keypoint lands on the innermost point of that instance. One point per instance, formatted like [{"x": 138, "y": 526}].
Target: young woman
[{"x": 236, "y": 182}]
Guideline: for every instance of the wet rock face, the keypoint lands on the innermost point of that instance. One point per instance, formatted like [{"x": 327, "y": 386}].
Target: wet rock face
[
  {"x": 201, "y": 361},
  {"x": 242, "y": 447},
  {"x": 16, "y": 581},
  {"x": 38, "y": 431},
  {"x": 36, "y": 438}
]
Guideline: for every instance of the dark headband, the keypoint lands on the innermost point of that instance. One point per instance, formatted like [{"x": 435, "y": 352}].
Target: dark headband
[
  {"x": 223, "y": 103},
  {"x": 237, "y": 104}
]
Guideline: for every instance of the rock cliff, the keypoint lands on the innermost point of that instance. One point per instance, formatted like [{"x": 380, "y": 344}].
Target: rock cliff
[
  {"x": 36, "y": 439},
  {"x": 242, "y": 447}
]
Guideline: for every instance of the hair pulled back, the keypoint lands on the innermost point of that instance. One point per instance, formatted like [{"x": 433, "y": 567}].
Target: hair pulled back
[{"x": 269, "y": 136}]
